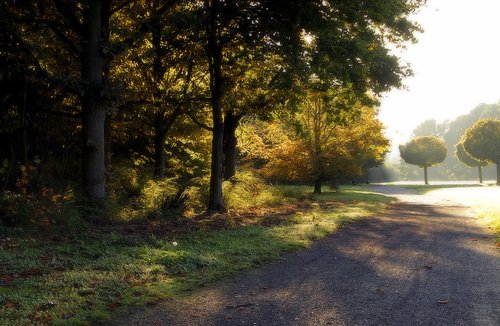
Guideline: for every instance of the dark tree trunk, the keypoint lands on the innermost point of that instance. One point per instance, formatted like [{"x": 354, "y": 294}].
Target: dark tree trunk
[
  {"x": 425, "y": 175},
  {"x": 93, "y": 104},
  {"x": 24, "y": 123},
  {"x": 231, "y": 123},
  {"x": 214, "y": 54},
  {"x": 160, "y": 137},
  {"x": 480, "y": 172},
  {"x": 317, "y": 185},
  {"x": 108, "y": 126}
]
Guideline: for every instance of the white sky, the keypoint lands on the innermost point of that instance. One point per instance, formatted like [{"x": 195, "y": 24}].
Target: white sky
[{"x": 456, "y": 66}]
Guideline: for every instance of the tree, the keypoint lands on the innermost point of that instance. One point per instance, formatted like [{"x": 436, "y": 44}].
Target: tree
[
  {"x": 424, "y": 152},
  {"x": 464, "y": 157},
  {"x": 430, "y": 128},
  {"x": 340, "y": 43},
  {"x": 79, "y": 63},
  {"x": 452, "y": 131},
  {"x": 321, "y": 141},
  {"x": 482, "y": 141},
  {"x": 160, "y": 74}
]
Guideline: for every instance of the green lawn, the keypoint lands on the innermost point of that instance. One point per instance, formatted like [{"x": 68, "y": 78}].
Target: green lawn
[{"x": 84, "y": 278}]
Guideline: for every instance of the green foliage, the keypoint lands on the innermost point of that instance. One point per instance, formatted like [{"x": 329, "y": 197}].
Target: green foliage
[
  {"x": 424, "y": 151},
  {"x": 464, "y": 157},
  {"x": 452, "y": 132},
  {"x": 156, "y": 197},
  {"x": 124, "y": 182},
  {"x": 246, "y": 190},
  {"x": 482, "y": 140},
  {"x": 44, "y": 207}
]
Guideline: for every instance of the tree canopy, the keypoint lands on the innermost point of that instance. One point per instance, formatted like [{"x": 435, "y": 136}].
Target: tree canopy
[
  {"x": 424, "y": 152},
  {"x": 320, "y": 142},
  {"x": 158, "y": 89},
  {"x": 482, "y": 141}
]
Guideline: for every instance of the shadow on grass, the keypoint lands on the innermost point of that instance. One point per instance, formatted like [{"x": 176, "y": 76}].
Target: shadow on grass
[
  {"x": 350, "y": 195},
  {"x": 392, "y": 271},
  {"x": 87, "y": 278}
]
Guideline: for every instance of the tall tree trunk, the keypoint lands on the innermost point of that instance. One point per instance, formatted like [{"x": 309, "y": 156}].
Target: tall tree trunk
[
  {"x": 93, "y": 104},
  {"x": 160, "y": 137},
  {"x": 480, "y": 172},
  {"x": 425, "y": 175},
  {"x": 108, "y": 126},
  {"x": 214, "y": 54},
  {"x": 231, "y": 123},
  {"x": 317, "y": 185},
  {"x": 24, "y": 123},
  {"x": 498, "y": 174}
]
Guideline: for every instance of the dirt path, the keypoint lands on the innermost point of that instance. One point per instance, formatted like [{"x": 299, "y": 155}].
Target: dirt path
[{"x": 423, "y": 262}]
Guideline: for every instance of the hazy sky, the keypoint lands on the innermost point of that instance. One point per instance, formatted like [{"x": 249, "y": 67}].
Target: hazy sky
[{"x": 456, "y": 66}]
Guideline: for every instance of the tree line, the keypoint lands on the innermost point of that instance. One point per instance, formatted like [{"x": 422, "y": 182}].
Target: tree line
[
  {"x": 165, "y": 83},
  {"x": 477, "y": 148}
]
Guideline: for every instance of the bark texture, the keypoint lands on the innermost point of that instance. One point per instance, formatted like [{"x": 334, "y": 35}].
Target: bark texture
[
  {"x": 231, "y": 123},
  {"x": 94, "y": 108},
  {"x": 214, "y": 55},
  {"x": 317, "y": 185}
]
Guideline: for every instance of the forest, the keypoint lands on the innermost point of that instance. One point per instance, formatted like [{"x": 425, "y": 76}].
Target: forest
[
  {"x": 150, "y": 148},
  {"x": 130, "y": 106}
]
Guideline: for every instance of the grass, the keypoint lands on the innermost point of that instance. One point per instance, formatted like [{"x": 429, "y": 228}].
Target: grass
[
  {"x": 491, "y": 217},
  {"x": 84, "y": 279}
]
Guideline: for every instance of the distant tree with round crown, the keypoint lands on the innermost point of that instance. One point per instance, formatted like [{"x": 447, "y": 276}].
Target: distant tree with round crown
[
  {"x": 482, "y": 141},
  {"x": 424, "y": 152},
  {"x": 469, "y": 160}
]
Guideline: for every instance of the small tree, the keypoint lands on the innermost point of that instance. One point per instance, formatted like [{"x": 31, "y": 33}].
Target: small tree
[
  {"x": 464, "y": 157},
  {"x": 482, "y": 141},
  {"x": 424, "y": 152}
]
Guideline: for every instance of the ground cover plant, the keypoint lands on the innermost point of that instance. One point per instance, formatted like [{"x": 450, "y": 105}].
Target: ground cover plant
[{"x": 83, "y": 278}]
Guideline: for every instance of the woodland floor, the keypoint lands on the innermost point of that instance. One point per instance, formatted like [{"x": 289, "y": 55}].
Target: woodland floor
[{"x": 423, "y": 261}]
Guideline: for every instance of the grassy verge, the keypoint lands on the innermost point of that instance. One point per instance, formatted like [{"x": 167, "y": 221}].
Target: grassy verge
[
  {"x": 83, "y": 279},
  {"x": 490, "y": 215}
]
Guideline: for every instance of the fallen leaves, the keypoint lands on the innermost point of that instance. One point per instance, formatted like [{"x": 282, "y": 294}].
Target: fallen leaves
[{"x": 10, "y": 304}]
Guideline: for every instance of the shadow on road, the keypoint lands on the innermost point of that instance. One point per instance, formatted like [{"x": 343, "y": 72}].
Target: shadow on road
[{"x": 417, "y": 264}]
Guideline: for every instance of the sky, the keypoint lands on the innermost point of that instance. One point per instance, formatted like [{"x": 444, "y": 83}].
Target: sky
[{"x": 456, "y": 65}]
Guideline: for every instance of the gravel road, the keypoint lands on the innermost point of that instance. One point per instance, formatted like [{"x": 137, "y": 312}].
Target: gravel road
[{"x": 421, "y": 262}]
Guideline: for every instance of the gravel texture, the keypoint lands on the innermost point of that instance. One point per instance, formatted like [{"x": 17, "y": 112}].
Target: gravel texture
[{"x": 421, "y": 262}]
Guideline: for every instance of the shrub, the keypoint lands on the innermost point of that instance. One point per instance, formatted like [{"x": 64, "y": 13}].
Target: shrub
[
  {"x": 162, "y": 199},
  {"x": 246, "y": 190}
]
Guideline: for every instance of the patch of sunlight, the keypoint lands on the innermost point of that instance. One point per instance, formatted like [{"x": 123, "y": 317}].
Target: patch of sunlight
[{"x": 483, "y": 200}]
